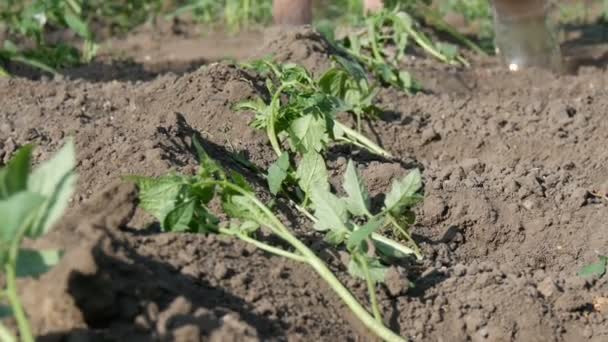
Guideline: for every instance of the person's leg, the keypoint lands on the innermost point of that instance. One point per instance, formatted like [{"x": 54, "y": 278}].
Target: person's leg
[
  {"x": 292, "y": 12},
  {"x": 373, "y": 5}
]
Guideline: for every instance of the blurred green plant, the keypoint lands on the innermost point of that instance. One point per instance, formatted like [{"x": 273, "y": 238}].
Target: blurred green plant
[
  {"x": 473, "y": 11},
  {"x": 31, "y": 202},
  {"x": 233, "y": 14},
  {"x": 28, "y": 24},
  {"x": 121, "y": 16}
]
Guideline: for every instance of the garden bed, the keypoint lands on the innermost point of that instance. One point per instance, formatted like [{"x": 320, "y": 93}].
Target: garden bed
[{"x": 514, "y": 169}]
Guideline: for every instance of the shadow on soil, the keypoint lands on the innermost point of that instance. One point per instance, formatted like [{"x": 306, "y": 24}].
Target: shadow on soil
[
  {"x": 100, "y": 71},
  {"x": 135, "y": 288}
]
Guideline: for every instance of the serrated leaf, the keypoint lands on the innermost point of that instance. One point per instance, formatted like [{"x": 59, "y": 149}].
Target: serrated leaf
[
  {"x": 54, "y": 179},
  {"x": 277, "y": 173},
  {"x": 33, "y": 263},
  {"x": 403, "y": 193},
  {"x": 357, "y": 201},
  {"x": 179, "y": 218},
  {"x": 312, "y": 172},
  {"x": 159, "y": 196},
  {"x": 13, "y": 177},
  {"x": 596, "y": 269},
  {"x": 329, "y": 210},
  {"x": 309, "y": 133},
  {"x": 243, "y": 208},
  {"x": 209, "y": 168},
  {"x": 359, "y": 235},
  {"x": 17, "y": 212},
  {"x": 377, "y": 271}
]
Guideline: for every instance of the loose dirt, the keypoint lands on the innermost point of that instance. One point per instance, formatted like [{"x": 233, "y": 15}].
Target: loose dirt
[{"x": 509, "y": 162}]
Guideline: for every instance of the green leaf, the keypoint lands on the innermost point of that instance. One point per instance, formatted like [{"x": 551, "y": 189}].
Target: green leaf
[
  {"x": 403, "y": 194},
  {"x": 329, "y": 210},
  {"x": 33, "y": 263},
  {"x": 13, "y": 177},
  {"x": 17, "y": 213},
  {"x": 312, "y": 172},
  {"x": 359, "y": 235},
  {"x": 277, "y": 173},
  {"x": 336, "y": 237},
  {"x": 159, "y": 196},
  {"x": 597, "y": 269},
  {"x": 54, "y": 179},
  {"x": 77, "y": 25},
  {"x": 243, "y": 208},
  {"x": 377, "y": 271},
  {"x": 357, "y": 201},
  {"x": 309, "y": 133},
  {"x": 209, "y": 168},
  {"x": 179, "y": 219},
  {"x": 353, "y": 68}
]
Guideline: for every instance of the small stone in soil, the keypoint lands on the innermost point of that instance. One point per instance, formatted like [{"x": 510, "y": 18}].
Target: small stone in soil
[
  {"x": 547, "y": 287},
  {"x": 396, "y": 281},
  {"x": 220, "y": 271}
]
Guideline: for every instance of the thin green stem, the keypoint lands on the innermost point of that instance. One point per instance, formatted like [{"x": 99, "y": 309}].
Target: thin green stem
[
  {"x": 369, "y": 145},
  {"x": 425, "y": 45},
  {"x": 5, "y": 334},
  {"x": 371, "y": 288},
  {"x": 25, "y": 331},
  {"x": 374, "y": 42},
  {"x": 270, "y": 125},
  {"x": 317, "y": 264},
  {"x": 406, "y": 235},
  {"x": 377, "y": 238},
  {"x": 264, "y": 246}
]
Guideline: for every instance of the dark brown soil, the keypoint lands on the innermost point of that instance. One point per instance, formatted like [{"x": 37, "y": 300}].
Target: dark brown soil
[{"x": 509, "y": 163}]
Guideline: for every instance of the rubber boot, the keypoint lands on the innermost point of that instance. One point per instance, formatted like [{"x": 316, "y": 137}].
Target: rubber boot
[
  {"x": 292, "y": 12},
  {"x": 524, "y": 35},
  {"x": 371, "y": 6}
]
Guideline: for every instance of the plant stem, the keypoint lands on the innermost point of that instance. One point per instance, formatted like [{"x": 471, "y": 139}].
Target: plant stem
[
  {"x": 5, "y": 335},
  {"x": 406, "y": 235},
  {"x": 370, "y": 145},
  {"x": 425, "y": 45},
  {"x": 264, "y": 246},
  {"x": 25, "y": 331},
  {"x": 371, "y": 288},
  {"x": 270, "y": 126},
  {"x": 318, "y": 265},
  {"x": 378, "y": 238}
]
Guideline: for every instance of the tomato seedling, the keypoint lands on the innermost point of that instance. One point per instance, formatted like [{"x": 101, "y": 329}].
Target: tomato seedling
[{"x": 181, "y": 203}]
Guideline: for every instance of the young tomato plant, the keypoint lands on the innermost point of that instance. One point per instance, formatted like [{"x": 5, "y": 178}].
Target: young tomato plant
[
  {"x": 30, "y": 203},
  {"x": 349, "y": 220},
  {"x": 181, "y": 203},
  {"x": 301, "y": 112},
  {"x": 348, "y": 81},
  {"x": 394, "y": 28}
]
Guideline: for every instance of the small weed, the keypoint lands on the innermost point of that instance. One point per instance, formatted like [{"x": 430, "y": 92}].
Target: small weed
[{"x": 30, "y": 203}]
